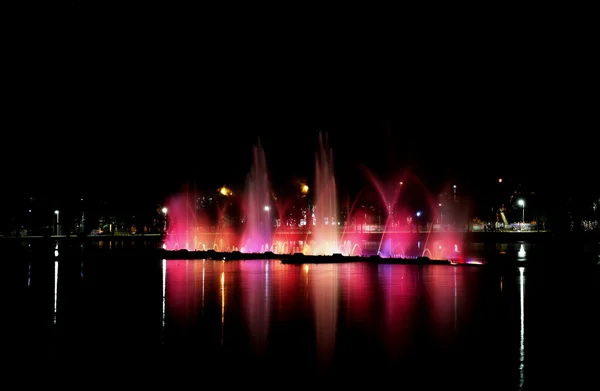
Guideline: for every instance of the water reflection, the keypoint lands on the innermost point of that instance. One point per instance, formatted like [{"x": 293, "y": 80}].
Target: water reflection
[
  {"x": 325, "y": 288},
  {"x": 55, "y": 288},
  {"x": 256, "y": 280},
  {"x": 522, "y": 328},
  {"x": 222, "y": 307},
  {"x": 164, "y": 294},
  {"x": 361, "y": 313},
  {"x": 400, "y": 301},
  {"x": 400, "y": 319},
  {"x": 521, "y": 254},
  {"x": 184, "y": 287},
  {"x": 440, "y": 291}
]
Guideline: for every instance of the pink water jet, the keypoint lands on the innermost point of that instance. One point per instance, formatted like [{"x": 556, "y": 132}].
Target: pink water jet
[
  {"x": 381, "y": 220},
  {"x": 183, "y": 223},
  {"x": 257, "y": 236},
  {"x": 188, "y": 228},
  {"x": 404, "y": 234},
  {"x": 325, "y": 220}
]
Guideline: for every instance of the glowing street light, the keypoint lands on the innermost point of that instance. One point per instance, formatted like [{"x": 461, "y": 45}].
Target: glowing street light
[
  {"x": 225, "y": 191},
  {"x": 522, "y": 203},
  {"x": 164, "y": 210},
  {"x": 56, "y": 212}
]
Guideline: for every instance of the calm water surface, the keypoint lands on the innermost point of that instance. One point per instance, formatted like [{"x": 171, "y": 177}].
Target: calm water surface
[{"x": 268, "y": 324}]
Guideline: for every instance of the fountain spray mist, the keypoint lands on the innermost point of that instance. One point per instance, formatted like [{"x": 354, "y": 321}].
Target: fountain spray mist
[
  {"x": 258, "y": 228},
  {"x": 325, "y": 210}
]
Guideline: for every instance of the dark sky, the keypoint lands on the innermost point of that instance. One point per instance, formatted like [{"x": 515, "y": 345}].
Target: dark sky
[{"x": 143, "y": 112}]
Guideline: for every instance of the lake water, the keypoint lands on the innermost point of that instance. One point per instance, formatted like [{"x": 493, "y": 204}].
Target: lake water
[{"x": 129, "y": 318}]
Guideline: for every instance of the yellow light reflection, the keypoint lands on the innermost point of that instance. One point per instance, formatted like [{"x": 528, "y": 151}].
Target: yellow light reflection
[{"x": 306, "y": 270}]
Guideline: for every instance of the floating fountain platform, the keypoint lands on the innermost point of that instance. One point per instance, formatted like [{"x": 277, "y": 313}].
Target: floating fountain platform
[{"x": 299, "y": 258}]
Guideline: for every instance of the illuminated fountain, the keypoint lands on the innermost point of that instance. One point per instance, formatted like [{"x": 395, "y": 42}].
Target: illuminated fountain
[
  {"x": 401, "y": 233},
  {"x": 257, "y": 234},
  {"x": 382, "y": 220},
  {"x": 324, "y": 239},
  {"x": 190, "y": 229},
  {"x": 182, "y": 222}
]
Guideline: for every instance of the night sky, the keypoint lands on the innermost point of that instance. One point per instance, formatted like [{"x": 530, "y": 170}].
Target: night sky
[{"x": 145, "y": 113}]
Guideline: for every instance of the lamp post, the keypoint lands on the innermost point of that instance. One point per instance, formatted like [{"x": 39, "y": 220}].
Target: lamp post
[
  {"x": 56, "y": 212},
  {"x": 164, "y": 210},
  {"x": 522, "y": 203}
]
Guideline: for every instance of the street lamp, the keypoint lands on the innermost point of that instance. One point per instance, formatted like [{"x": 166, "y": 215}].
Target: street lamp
[
  {"x": 57, "y": 222},
  {"x": 164, "y": 210},
  {"x": 522, "y": 203}
]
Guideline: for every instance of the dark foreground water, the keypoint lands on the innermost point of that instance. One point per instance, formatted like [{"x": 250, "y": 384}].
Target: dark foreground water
[{"x": 128, "y": 321}]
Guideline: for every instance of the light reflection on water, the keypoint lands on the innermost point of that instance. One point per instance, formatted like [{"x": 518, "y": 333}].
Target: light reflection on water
[
  {"x": 346, "y": 311},
  {"x": 522, "y": 328},
  {"x": 55, "y": 287},
  {"x": 322, "y": 317}
]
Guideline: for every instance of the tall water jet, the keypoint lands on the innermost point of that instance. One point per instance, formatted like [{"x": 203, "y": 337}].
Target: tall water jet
[
  {"x": 183, "y": 223},
  {"x": 325, "y": 212},
  {"x": 257, "y": 234}
]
